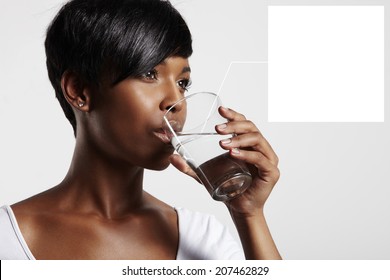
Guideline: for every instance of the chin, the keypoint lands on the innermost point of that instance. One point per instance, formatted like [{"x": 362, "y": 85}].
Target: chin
[
  {"x": 158, "y": 168},
  {"x": 159, "y": 164}
]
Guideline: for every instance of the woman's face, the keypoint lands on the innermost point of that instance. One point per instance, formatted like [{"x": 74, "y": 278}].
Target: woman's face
[{"x": 125, "y": 121}]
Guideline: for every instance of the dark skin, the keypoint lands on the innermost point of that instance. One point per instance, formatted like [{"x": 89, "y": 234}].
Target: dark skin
[{"x": 100, "y": 210}]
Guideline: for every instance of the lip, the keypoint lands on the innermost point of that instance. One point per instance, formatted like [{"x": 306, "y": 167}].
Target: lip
[
  {"x": 160, "y": 134},
  {"x": 175, "y": 126}
]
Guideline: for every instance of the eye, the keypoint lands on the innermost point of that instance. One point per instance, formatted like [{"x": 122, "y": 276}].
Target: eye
[
  {"x": 184, "y": 84},
  {"x": 150, "y": 75}
]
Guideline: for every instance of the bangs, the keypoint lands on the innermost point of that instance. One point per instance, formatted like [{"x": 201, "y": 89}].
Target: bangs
[{"x": 145, "y": 43}]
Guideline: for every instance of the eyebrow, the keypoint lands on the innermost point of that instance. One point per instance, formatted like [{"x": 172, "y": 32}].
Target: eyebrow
[{"x": 185, "y": 70}]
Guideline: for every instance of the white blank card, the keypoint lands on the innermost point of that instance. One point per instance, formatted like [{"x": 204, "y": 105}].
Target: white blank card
[{"x": 326, "y": 63}]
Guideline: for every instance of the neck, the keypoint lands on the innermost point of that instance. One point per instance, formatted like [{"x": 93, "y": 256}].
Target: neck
[{"x": 95, "y": 183}]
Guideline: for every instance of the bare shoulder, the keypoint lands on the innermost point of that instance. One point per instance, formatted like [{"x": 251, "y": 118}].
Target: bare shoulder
[
  {"x": 35, "y": 205},
  {"x": 54, "y": 233},
  {"x": 161, "y": 208},
  {"x": 29, "y": 213}
]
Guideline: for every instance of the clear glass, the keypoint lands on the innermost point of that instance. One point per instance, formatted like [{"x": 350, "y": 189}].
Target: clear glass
[{"x": 190, "y": 124}]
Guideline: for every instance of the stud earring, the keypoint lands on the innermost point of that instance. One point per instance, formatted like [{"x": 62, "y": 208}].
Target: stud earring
[{"x": 81, "y": 104}]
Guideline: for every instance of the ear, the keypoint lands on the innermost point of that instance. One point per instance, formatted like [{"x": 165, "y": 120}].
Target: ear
[{"x": 76, "y": 91}]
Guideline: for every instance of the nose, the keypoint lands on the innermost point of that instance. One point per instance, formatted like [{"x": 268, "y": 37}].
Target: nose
[{"x": 172, "y": 96}]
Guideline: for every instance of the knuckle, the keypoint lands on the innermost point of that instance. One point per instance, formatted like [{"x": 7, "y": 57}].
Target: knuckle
[
  {"x": 250, "y": 126},
  {"x": 260, "y": 137},
  {"x": 241, "y": 116},
  {"x": 276, "y": 174},
  {"x": 249, "y": 122}
]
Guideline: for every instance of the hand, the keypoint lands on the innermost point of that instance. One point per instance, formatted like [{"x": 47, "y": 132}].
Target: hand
[
  {"x": 181, "y": 165},
  {"x": 250, "y": 146}
]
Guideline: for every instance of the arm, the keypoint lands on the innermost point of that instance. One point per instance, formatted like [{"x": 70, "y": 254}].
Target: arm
[
  {"x": 256, "y": 238},
  {"x": 247, "y": 210}
]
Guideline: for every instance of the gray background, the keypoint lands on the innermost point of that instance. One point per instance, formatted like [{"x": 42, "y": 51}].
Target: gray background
[{"x": 332, "y": 199}]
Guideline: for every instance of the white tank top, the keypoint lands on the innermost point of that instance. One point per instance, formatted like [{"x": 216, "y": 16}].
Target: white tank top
[{"x": 201, "y": 237}]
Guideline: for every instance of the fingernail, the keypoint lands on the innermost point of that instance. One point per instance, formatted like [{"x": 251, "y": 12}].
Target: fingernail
[
  {"x": 235, "y": 151},
  {"x": 224, "y": 108},
  {"x": 222, "y": 126},
  {"x": 226, "y": 141}
]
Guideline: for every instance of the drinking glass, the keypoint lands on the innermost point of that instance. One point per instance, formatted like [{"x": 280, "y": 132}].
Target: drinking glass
[{"x": 190, "y": 124}]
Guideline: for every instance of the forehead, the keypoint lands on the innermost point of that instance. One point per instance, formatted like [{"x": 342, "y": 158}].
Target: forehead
[{"x": 176, "y": 63}]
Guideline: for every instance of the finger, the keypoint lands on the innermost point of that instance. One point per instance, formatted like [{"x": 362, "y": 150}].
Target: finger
[
  {"x": 251, "y": 141},
  {"x": 265, "y": 168},
  {"x": 180, "y": 164},
  {"x": 247, "y": 135},
  {"x": 236, "y": 127},
  {"x": 230, "y": 114},
  {"x": 239, "y": 125}
]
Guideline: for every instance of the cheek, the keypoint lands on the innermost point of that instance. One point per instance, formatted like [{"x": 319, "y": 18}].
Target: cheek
[
  {"x": 125, "y": 122},
  {"x": 124, "y": 127}
]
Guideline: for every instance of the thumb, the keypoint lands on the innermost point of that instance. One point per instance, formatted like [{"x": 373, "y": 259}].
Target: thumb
[{"x": 180, "y": 164}]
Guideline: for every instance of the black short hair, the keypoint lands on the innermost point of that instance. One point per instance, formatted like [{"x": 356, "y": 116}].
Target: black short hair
[{"x": 123, "y": 37}]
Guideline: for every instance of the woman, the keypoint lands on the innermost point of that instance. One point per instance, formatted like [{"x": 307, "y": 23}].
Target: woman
[{"x": 116, "y": 67}]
